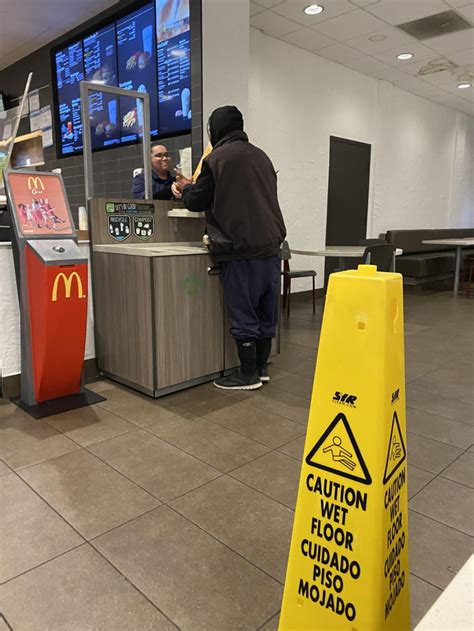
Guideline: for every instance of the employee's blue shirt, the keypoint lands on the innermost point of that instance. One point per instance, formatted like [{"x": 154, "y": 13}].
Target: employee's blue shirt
[{"x": 161, "y": 188}]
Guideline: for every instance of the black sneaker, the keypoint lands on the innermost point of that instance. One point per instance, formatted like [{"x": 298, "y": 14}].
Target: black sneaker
[
  {"x": 238, "y": 381},
  {"x": 263, "y": 374}
]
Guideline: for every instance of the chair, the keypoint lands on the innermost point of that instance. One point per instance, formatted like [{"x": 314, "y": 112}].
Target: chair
[
  {"x": 285, "y": 255},
  {"x": 383, "y": 256},
  {"x": 468, "y": 270},
  {"x": 372, "y": 242}
]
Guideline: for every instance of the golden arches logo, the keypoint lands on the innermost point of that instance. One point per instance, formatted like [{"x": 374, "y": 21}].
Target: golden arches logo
[
  {"x": 35, "y": 184},
  {"x": 67, "y": 280}
]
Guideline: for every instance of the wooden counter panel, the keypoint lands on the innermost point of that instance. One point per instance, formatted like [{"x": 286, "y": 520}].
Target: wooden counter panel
[
  {"x": 188, "y": 319},
  {"x": 123, "y": 308}
]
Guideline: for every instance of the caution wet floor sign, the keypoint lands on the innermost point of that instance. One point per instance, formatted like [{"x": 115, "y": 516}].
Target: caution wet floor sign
[{"x": 348, "y": 562}]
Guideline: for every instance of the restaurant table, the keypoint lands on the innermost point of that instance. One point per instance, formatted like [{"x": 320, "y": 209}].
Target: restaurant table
[
  {"x": 459, "y": 244},
  {"x": 342, "y": 252}
]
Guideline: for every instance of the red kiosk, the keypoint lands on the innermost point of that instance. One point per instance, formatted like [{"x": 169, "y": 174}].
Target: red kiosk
[{"x": 52, "y": 278}]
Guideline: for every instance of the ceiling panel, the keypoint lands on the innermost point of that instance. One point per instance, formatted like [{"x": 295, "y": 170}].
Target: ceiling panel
[
  {"x": 268, "y": 4},
  {"x": 370, "y": 43},
  {"x": 294, "y": 10},
  {"x": 467, "y": 12},
  {"x": 309, "y": 39},
  {"x": 400, "y": 11},
  {"x": 452, "y": 43},
  {"x": 350, "y": 25},
  {"x": 255, "y": 8},
  {"x": 273, "y": 24}
]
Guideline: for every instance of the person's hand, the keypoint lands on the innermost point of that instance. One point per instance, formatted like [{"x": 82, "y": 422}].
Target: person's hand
[
  {"x": 175, "y": 190},
  {"x": 181, "y": 181}
]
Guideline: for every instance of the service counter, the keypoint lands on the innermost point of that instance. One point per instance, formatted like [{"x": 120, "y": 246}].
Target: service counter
[{"x": 159, "y": 306}]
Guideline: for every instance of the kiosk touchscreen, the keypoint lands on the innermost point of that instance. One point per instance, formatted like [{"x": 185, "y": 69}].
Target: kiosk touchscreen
[{"x": 52, "y": 277}]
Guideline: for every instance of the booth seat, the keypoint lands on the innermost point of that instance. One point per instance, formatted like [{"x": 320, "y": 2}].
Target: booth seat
[{"x": 423, "y": 263}]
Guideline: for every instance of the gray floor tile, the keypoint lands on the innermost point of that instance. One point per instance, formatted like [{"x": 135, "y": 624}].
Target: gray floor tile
[
  {"x": 102, "y": 386},
  {"x": 302, "y": 337},
  {"x": 445, "y": 382},
  {"x": 25, "y": 441},
  {"x": 295, "y": 384},
  {"x": 436, "y": 551},
  {"x": 294, "y": 448},
  {"x": 274, "y": 474},
  {"x": 30, "y": 532},
  {"x": 216, "y": 445},
  {"x": 4, "y": 470},
  {"x": 78, "y": 591},
  {"x": 158, "y": 467},
  {"x": 91, "y": 496},
  {"x": 90, "y": 425},
  {"x": 417, "y": 479},
  {"x": 430, "y": 455},
  {"x": 275, "y": 401},
  {"x": 250, "y": 523},
  {"x": 447, "y": 502},
  {"x": 255, "y": 423},
  {"x": 272, "y": 625},
  {"x": 439, "y": 428},
  {"x": 422, "y": 596},
  {"x": 462, "y": 411},
  {"x": 195, "y": 580},
  {"x": 201, "y": 400},
  {"x": 137, "y": 408},
  {"x": 462, "y": 470}
]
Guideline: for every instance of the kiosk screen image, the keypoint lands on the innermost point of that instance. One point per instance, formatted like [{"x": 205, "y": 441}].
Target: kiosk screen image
[
  {"x": 40, "y": 204},
  {"x": 174, "y": 65}
]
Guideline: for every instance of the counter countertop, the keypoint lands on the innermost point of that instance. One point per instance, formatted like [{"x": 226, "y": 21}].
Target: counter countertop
[
  {"x": 153, "y": 249},
  {"x": 8, "y": 244}
]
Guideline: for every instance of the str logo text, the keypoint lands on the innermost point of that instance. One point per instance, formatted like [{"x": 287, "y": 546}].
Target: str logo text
[{"x": 67, "y": 281}]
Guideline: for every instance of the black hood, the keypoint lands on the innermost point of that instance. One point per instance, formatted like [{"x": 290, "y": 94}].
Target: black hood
[{"x": 222, "y": 121}]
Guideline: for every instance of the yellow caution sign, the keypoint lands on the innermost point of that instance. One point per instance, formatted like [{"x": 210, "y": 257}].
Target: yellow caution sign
[{"x": 348, "y": 562}]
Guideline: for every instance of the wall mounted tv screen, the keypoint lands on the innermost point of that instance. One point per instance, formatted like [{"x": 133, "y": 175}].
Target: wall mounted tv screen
[{"x": 147, "y": 50}]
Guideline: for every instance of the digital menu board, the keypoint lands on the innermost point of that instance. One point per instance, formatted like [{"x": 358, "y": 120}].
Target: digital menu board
[
  {"x": 174, "y": 65},
  {"x": 69, "y": 72},
  {"x": 136, "y": 57},
  {"x": 100, "y": 65},
  {"x": 147, "y": 50}
]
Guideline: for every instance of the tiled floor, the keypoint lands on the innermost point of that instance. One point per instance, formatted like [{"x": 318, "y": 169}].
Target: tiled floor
[{"x": 138, "y": 514}]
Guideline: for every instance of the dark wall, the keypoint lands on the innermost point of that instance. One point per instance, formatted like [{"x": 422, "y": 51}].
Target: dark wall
[{"x": 112, "y": 168}]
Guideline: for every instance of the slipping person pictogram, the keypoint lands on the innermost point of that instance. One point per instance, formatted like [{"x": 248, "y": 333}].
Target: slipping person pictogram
[{"x": 339, "y": 454}]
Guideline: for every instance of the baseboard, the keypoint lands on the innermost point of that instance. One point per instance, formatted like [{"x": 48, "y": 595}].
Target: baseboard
[{"x": 11, "y": 386}]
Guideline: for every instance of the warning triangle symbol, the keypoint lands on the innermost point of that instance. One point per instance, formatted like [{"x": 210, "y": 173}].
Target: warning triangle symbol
[
  {"x": 337, "y": 452},
  {"x": 397, "y": 453}
]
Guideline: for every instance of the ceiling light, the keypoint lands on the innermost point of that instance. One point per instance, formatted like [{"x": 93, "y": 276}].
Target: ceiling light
[
  {"x": 404, "y": 56},
  {"x": 463, "y": 86},
  {"x": 314, "y": 9}
]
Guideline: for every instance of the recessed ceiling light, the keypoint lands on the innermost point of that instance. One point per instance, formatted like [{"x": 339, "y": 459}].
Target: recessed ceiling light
[
  {"x": 463, "y": 86},
  {"x": 404, "y": 56},
  {"x": 378, "y": 38},
  {"x": 314, "y": 9}
]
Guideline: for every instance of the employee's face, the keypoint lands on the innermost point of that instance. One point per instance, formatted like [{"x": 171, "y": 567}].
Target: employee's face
[{"x": 160, "y": 158}]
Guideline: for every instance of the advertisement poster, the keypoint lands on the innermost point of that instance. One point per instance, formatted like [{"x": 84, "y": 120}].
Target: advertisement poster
[{"x": 40, "y": 204}]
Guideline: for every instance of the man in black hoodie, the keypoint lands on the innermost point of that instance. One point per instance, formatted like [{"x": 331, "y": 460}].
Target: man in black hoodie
[{"x": 237, "y": 188}]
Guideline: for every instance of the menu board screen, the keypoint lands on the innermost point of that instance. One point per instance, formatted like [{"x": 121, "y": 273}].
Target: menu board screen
[
  {"x": 100, "y": 65},
  {"x": 136, "y": 56},
  {"x": 174, "y": 65},
  {"x": 69, "y": 72}
]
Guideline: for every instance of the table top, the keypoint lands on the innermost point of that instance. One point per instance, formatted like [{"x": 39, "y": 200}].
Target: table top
[
  {"x": 462, "y": 242},
  {"x": 340, "y": 251}
]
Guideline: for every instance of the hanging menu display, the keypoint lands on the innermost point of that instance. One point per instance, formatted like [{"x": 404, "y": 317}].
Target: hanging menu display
[
  {"x": 100, "y": 64},
  {"x": 69, "y": 72},
  {"x": 137, "y": 69},
  {"x": 174, "y": 65}
]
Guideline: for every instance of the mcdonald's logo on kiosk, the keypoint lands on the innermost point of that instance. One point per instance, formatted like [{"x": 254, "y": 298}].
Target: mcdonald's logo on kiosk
[
  {"x": 67, "y": 283},
  {"x": 35, "y": 185}
]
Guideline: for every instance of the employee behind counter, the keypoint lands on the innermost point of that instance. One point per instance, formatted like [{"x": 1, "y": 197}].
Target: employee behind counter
[{"x": 163, "y": 183}]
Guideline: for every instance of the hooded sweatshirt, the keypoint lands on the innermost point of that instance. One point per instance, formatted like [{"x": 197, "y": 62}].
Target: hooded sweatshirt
[{"x": 237, "y": 188}]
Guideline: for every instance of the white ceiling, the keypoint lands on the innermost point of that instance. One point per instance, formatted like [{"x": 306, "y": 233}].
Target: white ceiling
[
  {"x": 26, "y": 25},
  {"x": 343, "y": 32}
]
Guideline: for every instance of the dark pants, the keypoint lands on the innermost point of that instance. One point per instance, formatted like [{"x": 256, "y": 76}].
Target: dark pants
[{"x": 252, "y": 291}]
